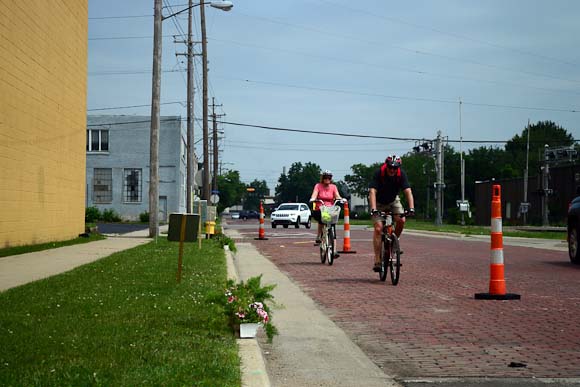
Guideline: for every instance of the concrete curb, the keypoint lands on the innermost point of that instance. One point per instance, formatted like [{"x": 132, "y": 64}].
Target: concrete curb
[{"x": 253, "y": 366}]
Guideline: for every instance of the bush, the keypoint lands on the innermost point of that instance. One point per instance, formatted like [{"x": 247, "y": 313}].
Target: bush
[
  {"x": 110, "y": 215},
  {"x": 144, "y": 217},
  {"x": 92, "y": 214},
  {"x": 224, "y": 240}
]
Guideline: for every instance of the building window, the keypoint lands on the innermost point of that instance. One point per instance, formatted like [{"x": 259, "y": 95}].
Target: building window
[
  {"x": 132, "y": 185},
  {"x": 102, "y": 185},
  {"x": 97, "y": 140}
]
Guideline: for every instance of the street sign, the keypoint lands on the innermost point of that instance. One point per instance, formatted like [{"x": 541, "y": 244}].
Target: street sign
[{"x": 214, "y": 198}]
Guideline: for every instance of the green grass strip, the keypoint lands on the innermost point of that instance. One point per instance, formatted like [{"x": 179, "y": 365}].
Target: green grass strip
[
  {"x": 122, "y": 321},
  {"x": 50, "y": 245},
  {"x": 413, "y": 224}
]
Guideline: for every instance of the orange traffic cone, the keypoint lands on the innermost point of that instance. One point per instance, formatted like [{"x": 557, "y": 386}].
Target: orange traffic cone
[
  {"x": 261, "y": 232},
  {"x": 346, "y": 244},
  {"x": 497, "y": 282}
]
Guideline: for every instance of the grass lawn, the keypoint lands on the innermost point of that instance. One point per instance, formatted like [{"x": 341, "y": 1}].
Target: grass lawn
[
  {"x": 50, "y": 245},
  {"x": 122, "y": 321},
  {"x": 414, "y": 224}
]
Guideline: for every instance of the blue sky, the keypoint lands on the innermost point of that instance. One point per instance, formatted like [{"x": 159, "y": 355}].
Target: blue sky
[{"x": 375, "y": 68}]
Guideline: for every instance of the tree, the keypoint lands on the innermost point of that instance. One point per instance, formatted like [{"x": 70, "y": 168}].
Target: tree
[
  {"x": 358, "y": 182},
  {"x": 541, "y": 133},
  {"x": 420, "y": 170},
  {"x": 297, "y": 185},
  {"x": 252, "y": 198},
  {"x": 231, "y": 189}
]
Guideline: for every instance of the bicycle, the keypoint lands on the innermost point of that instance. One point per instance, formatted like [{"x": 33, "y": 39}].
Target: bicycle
[
  {"x": 329, "y": 218},
  {"x": 390, "y": 249}
]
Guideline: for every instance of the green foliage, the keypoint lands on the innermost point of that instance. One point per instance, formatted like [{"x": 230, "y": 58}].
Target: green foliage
[
  {"x": 361, "y": 176},
  {"x": 122, "y": 321},
  {"x": 252, "y": 199},
  {"x": 144, "y": 217},
  {"x": 110, "y": 215},
  {"x": 297, "y": 185},
  {"x": 231, "y": 189},
  {"x": 246, "y": 302},
  {"x": 92, "y": 214},
  {"x": 224, "y": 240}
]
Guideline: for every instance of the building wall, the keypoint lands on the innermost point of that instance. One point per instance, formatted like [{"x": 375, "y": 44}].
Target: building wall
[
  {"x": 128, "y": 145},
  {"x": 43, "y": 78}
]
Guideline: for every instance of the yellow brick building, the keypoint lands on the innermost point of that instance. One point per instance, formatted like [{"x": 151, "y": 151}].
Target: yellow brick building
[{"x": 43, "y": 85}]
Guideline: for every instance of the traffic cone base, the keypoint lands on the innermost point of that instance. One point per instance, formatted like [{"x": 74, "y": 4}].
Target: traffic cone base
[{"x": 488, "y": 296}]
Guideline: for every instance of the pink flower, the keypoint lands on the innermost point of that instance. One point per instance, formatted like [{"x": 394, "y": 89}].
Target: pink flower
[{"x": 231, "y": 299}]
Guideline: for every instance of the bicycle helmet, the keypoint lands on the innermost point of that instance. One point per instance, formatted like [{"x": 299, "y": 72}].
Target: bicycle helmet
[
  {"x": 393, "y": 161},
  {"x": 326, "y": 173}
]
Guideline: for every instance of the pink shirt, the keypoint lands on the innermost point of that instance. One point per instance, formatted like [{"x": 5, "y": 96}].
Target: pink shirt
[{"x": 327, "y": 193}]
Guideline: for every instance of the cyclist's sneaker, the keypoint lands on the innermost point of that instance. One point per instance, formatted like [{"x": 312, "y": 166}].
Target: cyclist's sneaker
[
  {"x": 336, "y": 255},
  {"x": 317, "y": 241},
  {"x": 377, "y": 268}
]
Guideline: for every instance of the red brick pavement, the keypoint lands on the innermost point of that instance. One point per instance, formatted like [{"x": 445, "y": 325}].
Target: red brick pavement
[{"x": 430, "y": 325}]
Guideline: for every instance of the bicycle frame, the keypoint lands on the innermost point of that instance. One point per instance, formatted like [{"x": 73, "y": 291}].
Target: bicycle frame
[{"x": 328, "y": 239}]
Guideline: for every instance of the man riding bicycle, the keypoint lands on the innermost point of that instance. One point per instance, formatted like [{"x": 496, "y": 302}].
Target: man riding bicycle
[{"x": 384, "y": 190}]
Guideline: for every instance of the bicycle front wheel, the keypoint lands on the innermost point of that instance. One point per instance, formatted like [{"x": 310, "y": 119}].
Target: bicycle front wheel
[
  {"x": 330, "y": 247},
  {"x": 385, "y": 254},
  {"x": 395, "y": 260},
  {"x": 322, "y": 246}
]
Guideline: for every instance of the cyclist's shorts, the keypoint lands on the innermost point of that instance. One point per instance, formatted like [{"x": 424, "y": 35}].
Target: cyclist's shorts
[
  {"x": 395, "y": 207},
  {"x": 316, "y": 215}
]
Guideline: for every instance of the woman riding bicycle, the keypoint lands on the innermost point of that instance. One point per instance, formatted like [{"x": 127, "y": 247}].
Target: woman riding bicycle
[
  {"x": 328, "y": 193},
  {"x": 384, "y": 190}
]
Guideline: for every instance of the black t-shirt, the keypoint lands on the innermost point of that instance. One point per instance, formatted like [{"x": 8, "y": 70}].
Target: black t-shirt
[{"x": 388, "y": 187}]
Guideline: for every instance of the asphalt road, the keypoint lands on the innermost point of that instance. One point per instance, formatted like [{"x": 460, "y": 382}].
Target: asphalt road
[
  {"x": 120, "y": 228},
  {"x": 429, "y": 330}
]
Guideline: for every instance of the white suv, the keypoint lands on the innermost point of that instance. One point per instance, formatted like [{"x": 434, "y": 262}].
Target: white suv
[{"x": 291, "y": 213}]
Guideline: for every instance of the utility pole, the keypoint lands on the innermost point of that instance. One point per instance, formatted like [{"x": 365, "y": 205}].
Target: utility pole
[
  {"x": 155, "y": 123},
  {"x": 525, "y": 204},
  {"x": 439, "y": 184},
  {"x": 206, "y": 189},
  {"x": 215, "y": 146},
  {"x": 462, "y": 165},
  {"x": 190, "y": 111},
  {"x": 190, "y": 128},
  {"x": 546, "y": 190}
]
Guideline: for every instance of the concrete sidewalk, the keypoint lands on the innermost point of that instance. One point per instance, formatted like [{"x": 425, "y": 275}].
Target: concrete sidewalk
[
  {"x": 310, "y": 350},
  {"x": 20, "y": 269}
]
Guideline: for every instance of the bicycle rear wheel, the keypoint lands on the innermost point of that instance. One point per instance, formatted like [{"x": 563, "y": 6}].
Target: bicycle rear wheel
[
  {"x": 330, "y": 246},
  {"x": 385, "y": 253},
  {"x": 395, "y": 260}
]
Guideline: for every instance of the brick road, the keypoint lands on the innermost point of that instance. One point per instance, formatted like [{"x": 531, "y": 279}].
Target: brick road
[{"x": 430, "y": 325}]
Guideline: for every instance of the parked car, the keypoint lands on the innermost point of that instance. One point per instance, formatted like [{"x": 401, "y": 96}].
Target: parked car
[
  {"x": 235, "y": 214},
  {"x": 245, "y": 215},
  {"x": 574, "y": 228},
  {"x": 291, "y": 213}
]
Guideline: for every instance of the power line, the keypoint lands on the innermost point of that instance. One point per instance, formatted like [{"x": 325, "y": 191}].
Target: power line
[
  {"x": 454, "y": 35},
  {"x": 130, "y": 72},
  {"x": 421, "y": 99},
  {"x": 412, "y": 50},
  {"x": 338, "y": 134},
  {"x": 120, "y": 17},
  {"x": 134, "y": 106}
]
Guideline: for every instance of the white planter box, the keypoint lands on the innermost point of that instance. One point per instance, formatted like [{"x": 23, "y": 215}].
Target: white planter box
[{"x": 248, "y": 330}]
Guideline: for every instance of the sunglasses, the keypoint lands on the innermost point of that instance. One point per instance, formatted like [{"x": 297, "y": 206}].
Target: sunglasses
[
  {"x": 392, "y": 167},
  {"x": 327, "y": 177}
]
